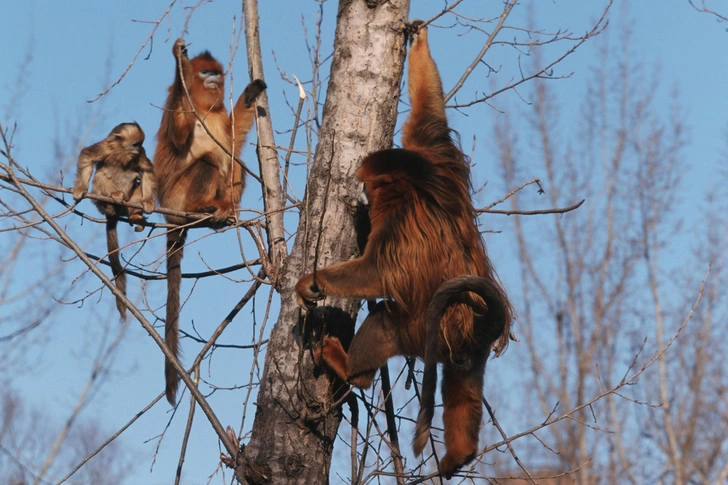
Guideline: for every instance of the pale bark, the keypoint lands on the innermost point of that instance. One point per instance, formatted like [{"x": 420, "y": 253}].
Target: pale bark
[
  {"x": 270, "y": 172},
  {"x": 295, "y": 425}
]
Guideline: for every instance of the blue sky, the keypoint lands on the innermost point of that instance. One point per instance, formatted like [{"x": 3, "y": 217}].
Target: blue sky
[{"x": 70, "y": 44}]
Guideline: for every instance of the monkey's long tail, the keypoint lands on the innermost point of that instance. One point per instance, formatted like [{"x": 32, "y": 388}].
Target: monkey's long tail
[
  {"x": 175, "y": 243},
  {"x": 112, "y": 246},
  {"x": 445, "y": 296}
]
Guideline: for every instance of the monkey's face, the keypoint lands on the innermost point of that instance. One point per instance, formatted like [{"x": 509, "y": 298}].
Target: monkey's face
[
  {"x": 206, "y": 82},
  {"x": 132, "y": 147},
  {"x": 211, "y": 79},
  {"x": 132, "y": 141},
  {"x": 127, "y": 138}
]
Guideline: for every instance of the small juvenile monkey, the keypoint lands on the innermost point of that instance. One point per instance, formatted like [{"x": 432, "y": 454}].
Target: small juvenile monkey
[
  {"x": 197, "y": 172},
  {"x": 124, "y": 173}
]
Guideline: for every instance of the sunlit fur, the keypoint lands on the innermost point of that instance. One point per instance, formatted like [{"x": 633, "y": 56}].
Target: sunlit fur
[
  {"x": 424, "y": 233},
  {"x": 195, "y": 173},
  {"x": 124, "y": 173}
]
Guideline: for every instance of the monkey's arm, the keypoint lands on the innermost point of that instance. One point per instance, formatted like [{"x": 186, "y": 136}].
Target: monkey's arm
[
  {"x": 427, "y": 122},
  {"x": 85, "y": 169},
  {"x": 358, "y": 278},
  {"x": 244, "y": 112},
  {"x": 148, "y": 184},
  {"x": 178, "y": 120}
]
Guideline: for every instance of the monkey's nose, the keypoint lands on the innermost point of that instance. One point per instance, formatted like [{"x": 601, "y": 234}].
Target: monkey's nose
[{"x": 363, "y": 199}]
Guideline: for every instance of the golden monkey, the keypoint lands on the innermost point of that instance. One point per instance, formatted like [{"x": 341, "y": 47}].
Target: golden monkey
[
  {"x": 195, "y": 173},
  {"x": 124, "y": 173}
]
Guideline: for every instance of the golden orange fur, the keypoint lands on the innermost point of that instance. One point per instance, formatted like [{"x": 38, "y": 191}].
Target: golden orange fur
[
  {"x": 424, "y": 233},
  {"x": 197, "y": 172}
]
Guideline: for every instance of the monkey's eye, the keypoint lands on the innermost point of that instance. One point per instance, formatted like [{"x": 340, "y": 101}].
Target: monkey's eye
[
  {"x": 117, "y": 137},
  {"x": 205, "y": 73},
  {"x": 137, "y": 144}
]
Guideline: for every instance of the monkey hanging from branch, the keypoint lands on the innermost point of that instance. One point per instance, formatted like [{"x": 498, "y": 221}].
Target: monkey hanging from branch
[
  {"x": 426, "y": 258},
  {"x": 197, "y": 165},
  {"x": 124, "y": 173}
]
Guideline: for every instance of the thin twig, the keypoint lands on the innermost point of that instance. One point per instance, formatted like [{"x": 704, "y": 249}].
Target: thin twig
[
  {"x": 296, "y": 121},
  {"x": 188, "y": 430},
  {"x": 391, "y": 423},
  {"x": 508, "y": 443},
  {"x": 112, "y": 438},
  {"x": 506, "y": 11},
  {"x": 704, "y": 9},
  {"x": 133, "y": 60},
  {"x": 531, "y": 213}
]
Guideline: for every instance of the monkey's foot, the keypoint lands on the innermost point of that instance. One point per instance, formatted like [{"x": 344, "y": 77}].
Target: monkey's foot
[
  {"x": 333, "y": 354},
  {"x": 224, "y": 219},
  {"x": 138, "y": 219},
  {"x": 220, "y": 218}
]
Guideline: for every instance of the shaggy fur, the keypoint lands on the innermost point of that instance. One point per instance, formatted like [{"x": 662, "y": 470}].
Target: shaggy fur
[
  {"x": 423, "y": 234},
  {"x": 194, "y": 171}
]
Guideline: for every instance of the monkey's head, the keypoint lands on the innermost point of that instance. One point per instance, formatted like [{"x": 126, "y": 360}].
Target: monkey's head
[
  {"x": 127, "y": 139},
  {"x": 393, "y": 179},
  {"x": 397, "y": 180},
  {"x": 206, "y": 81}
]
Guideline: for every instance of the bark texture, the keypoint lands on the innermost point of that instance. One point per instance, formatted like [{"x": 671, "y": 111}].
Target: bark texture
[{"x": 295, "y": 423}]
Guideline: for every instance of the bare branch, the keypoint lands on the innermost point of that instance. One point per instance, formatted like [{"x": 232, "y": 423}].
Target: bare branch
[
  {"x": 149, "y": 38},
  {"x": 273, "y": 198},
  {"x": 531, "y": 213},
  {"x": 704, "y": 9}
]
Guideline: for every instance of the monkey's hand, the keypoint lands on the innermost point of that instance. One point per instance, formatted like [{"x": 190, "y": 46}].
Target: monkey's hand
[
  {"x": 308, "y": 292},
  {"x": 148, "y": 206},
  {"x": 252, "y": 91},
  {"x": 78, "y": 193},
  {"x": 179, "y": 49},
  {"x": 414, "y": 29},
  {"x": 119, "y": 197}
]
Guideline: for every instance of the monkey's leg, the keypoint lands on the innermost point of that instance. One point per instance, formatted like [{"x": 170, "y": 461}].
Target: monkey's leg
[
  {"x": 332, "y": 352},
  {"x": 462, "y": 394},
  {"x": 206, "y": 192},
  {"x": 376, "y": 341}
]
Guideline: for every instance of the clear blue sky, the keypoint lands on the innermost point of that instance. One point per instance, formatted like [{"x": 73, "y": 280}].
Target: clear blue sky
[{"x": 70, "y": 45}]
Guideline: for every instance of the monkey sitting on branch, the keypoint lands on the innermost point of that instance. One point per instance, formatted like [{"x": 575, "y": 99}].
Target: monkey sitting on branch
[
  {"x": 124, "y": 173},
  {"x": 197, "y": 164},
  {"x": 426, "y": 258}
]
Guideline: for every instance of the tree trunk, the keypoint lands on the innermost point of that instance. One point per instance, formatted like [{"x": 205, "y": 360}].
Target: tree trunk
[{"x": 295, "y": 424}]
